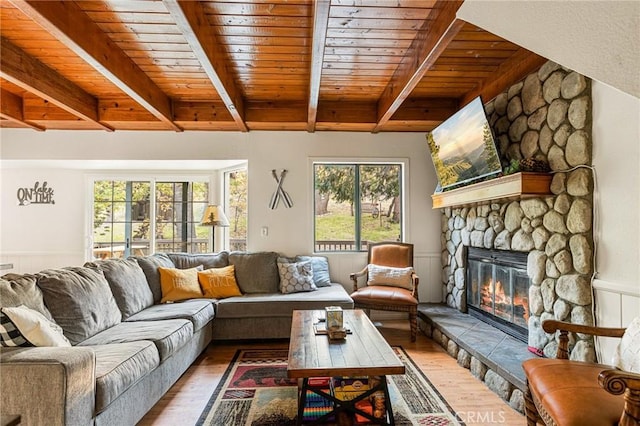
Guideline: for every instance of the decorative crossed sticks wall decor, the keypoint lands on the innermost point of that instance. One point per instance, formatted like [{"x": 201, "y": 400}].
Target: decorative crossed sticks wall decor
[{"x": 280, "y": 192}]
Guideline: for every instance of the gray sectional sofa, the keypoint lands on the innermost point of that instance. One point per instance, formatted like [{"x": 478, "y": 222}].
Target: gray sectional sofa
[{"x": 127, "y": 349}]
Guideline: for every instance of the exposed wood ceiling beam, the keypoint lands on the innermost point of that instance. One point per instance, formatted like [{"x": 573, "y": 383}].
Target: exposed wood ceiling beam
[
  {"x": 72, "y": 27},
  {"x": 191, "y": 18},
  {"x": 34, "y": 76},
  {"x": 436, "y": 33},
  {"x": 522, "y": 63},
  {"x": 320, "y": 21},
  {"x": 11, "y": 108}
]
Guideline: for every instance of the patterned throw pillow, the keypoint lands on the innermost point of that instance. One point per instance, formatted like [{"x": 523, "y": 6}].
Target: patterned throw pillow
[
  {"x": 219, "y": 283},
  {"x": 179, "y": 284},
  {"x": 21, "y": 326},
  {"x": 9, "y": 333},
  {"x": 320, "y": 265},
  {"x": 296, "y": 277},
  {"x": 386, "y": 275},
  {"x": 627, "y": 356}
]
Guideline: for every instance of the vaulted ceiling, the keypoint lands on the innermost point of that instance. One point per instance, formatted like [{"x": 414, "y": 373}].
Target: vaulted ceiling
[{"x": 241, "y": 65}]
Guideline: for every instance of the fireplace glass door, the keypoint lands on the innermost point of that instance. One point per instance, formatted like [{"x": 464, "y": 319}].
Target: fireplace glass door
[{"x": 498, "y": 291}]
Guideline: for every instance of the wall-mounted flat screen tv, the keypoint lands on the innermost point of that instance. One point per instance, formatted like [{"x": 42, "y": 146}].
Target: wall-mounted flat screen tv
[{"x": 462, "y": 147}]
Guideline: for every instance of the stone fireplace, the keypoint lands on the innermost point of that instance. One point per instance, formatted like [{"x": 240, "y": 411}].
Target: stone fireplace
[
  {"x": 497, "y": 289},
  {"x": 546, "y": 116}
]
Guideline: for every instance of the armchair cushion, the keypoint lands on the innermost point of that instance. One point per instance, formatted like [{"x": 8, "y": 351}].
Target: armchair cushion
[
  {"x": 389, "y": 276},
  {"x": 627, "y": 356},
  {"x": 564, "y": 388},
  {"x": 383, "y": 295}
]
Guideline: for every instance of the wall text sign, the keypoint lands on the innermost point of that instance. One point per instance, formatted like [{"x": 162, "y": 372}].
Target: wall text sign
[{"x": 36, "y": 195}]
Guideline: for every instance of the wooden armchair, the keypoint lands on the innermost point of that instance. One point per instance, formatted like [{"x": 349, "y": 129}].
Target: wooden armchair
[
  {"x": 562, "y": 392},
  {"x": 394, "y": 295}
]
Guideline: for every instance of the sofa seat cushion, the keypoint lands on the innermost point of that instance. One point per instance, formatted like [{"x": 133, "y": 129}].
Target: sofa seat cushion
[
  {"x": 121, "y": 365},
  {"x": 565, "y": 387},
  {"x": 200, "y": 312},
  {"x": 168, "y": 335},
  {"x": 282, "y": 305}
]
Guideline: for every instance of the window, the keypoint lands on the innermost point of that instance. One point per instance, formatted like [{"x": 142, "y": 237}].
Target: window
[
  {"x": 123, "y": 217},
  {"x": 179, "y": 209},
  {"x": 237, "y": 210},
  {"x": 357, "y": 204}
]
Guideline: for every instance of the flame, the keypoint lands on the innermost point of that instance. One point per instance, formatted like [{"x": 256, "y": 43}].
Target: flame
[{"x": 501, "y": 298}]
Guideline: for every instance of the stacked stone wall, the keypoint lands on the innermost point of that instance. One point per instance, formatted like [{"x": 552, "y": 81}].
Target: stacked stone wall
[{"x": 546, "y": 116}]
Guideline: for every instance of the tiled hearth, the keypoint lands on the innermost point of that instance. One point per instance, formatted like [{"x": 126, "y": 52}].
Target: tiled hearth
[{"x": 493, "y": 356}]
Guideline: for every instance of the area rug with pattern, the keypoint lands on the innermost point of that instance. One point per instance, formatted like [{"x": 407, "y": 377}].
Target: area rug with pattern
[{"x": 256, "y": 391}]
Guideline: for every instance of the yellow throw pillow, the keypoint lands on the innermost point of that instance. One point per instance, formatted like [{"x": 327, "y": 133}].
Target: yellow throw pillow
[
  {"x": 179, "y": 284},
  {"x": 218, "y": 283}
]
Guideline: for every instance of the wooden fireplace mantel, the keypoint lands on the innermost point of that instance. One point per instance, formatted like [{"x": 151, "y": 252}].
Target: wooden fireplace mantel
[{"x": 515, "y": 186}]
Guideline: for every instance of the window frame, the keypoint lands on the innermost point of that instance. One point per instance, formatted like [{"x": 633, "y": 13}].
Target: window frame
[
  {"x": 153, "y": 179},
  {"x": 360, "y": 161},
  {"x": 226, "y": 194}
]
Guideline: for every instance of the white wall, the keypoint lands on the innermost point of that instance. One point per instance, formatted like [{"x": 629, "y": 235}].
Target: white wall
[
  {"x": 597, "y": 38},
  {"x": 616, "y": 156},
  {"x": 39, "y": 236}
]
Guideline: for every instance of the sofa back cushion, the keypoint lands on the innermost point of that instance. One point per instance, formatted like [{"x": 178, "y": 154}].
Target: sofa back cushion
[
  {"x": 256, "y": 272},
  {"x": 16, "y": 290},
  {"x": 208, "y": 260},
  {"x": 150, "y": 265},
  {"x": 80, "y": 301},
  {"x": 128, "y": 284}
]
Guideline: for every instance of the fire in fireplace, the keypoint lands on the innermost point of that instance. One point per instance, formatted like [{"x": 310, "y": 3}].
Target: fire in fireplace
[{"x": 498, "y": 289}]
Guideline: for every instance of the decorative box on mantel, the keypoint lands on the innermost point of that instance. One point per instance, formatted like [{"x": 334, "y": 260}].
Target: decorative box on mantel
[{"x": 518, "y": 185}]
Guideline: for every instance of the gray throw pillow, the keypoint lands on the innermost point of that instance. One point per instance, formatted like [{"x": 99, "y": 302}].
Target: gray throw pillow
[
  {"x": 150, "y": 265},
  {"x": 16, "y": 290},
  {"x": 256, "y": 272},
  {"x": 208, "y": 260},
  {"x": 128, "y": 284},
  {"x": 80, "y": 301},
  {"x": 320, "y": 266}
]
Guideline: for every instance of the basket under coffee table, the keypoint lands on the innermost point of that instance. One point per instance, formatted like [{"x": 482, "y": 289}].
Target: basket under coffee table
[{"x": 364, "y": 352}]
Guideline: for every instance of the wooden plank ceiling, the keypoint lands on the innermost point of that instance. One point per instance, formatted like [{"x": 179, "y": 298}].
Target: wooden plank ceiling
[{"x": 241, "y": 65}]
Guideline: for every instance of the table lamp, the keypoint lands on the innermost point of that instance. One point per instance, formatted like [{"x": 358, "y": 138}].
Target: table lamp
[{"x": 214, "y": 216}]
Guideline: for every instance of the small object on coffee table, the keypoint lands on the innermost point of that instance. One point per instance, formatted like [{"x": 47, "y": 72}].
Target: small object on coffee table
[
  {"x": 336, "y": 333},
  {"x": 334, "y": 317}
]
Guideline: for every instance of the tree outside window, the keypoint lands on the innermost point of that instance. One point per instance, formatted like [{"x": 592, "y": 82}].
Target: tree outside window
[{"x": 357, "y": 204}]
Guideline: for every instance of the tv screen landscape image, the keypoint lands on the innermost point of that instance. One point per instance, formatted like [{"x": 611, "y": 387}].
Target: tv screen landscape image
[{"x": 462, "y": 147}]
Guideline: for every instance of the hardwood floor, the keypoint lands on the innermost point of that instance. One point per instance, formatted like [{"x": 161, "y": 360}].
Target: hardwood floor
[{"x": 469, "y": 397}]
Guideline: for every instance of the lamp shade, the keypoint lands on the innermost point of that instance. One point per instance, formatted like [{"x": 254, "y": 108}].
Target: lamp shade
[{"x": 214, "y": 216}]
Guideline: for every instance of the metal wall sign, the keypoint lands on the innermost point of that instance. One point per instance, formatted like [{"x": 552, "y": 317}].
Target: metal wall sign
[{"x": 39, "y": 194}]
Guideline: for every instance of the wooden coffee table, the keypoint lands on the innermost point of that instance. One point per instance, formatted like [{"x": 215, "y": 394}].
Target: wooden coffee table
[{"x": 364, "y": 352}]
